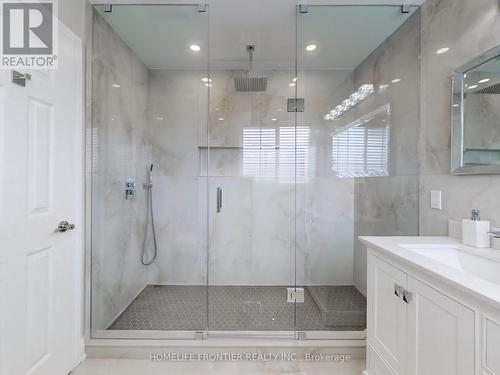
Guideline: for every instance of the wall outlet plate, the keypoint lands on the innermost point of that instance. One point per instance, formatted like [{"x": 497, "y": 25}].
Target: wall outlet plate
[{"x": 436, "y": 201}]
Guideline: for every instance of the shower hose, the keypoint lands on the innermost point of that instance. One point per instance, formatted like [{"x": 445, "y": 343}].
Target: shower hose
[{"x": 150, "y": 217}]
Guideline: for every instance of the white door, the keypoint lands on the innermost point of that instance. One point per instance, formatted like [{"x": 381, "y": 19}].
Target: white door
[
  {"x": 441, "y": 333},
  {"x": 387, "y": 313},
  {"x": 40, "y": 178}
]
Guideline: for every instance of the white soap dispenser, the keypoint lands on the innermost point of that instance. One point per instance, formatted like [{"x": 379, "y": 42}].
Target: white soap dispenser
[{"x": 475, "y": 231}]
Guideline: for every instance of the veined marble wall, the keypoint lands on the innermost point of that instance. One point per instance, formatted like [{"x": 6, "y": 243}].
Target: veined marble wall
[
  {"x": 177, "y": 108},
  {"x": 468, "y": 28},
  {"x": 120, "y": 150}
]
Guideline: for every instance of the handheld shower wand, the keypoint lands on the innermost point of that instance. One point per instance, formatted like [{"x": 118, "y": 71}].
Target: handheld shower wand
[{"x": 149, "y": 187}]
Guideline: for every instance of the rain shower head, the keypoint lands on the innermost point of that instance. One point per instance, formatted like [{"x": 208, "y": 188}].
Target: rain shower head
[{"x": 250, "y": 83}]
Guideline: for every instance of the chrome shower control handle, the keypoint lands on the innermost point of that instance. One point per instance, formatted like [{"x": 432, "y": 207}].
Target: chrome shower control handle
[{"x": 63, "y": 226}]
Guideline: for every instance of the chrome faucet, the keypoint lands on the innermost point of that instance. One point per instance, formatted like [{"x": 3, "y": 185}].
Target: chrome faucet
[{"x": 495, "y": 234}]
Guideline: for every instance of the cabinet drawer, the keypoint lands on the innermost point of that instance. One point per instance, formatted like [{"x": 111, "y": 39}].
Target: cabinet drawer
[{"x": 492, "y": 350}]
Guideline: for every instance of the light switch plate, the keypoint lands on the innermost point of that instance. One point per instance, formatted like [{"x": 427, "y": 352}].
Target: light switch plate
[{"x": 436, "y": 202}]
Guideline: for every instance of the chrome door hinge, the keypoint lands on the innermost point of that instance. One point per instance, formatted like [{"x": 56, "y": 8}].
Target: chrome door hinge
[
  {"x": 20, "y": 78},
  {"x": 295, "y": 295}
]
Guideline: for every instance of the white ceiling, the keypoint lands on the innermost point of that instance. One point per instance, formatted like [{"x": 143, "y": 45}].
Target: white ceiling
[{"x": 160, "y": 35}]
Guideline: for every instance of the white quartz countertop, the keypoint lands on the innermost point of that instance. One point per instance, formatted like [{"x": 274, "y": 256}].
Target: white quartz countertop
[{"x": 474, "y": 271}]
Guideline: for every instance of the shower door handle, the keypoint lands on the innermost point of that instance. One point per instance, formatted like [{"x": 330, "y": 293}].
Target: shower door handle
[{"x": 219, "y": 200}]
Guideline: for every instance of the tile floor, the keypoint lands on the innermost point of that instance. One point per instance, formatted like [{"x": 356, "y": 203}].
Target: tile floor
[
  {"x": 146, "y": 367},
  {"x": 243, "y": 308}
]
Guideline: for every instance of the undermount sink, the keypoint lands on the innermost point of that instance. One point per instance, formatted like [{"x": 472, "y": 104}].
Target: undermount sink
[{"x": 462, "y": 259}]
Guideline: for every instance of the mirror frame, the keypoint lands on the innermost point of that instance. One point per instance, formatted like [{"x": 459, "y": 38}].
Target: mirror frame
[{"x": 457, "y": 118}]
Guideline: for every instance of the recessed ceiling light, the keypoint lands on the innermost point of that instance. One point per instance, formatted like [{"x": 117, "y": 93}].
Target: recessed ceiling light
[
  {"x": 160, "y": 118},
  {"x": 310, "y": 47},
  {"x": 221, "y": 118},
  {"x": 206, "y": 79},
  {"x": 291, "y": 84},
  {"x": 396, "y": 80},
  {"x": 484, "y": 80},
  {"x": 116, "y": 85},
  {"x": 455, "y": 105},
  {"x": 442, "y": 50},
  {"x": 195, "y": 47},
  {"x": 472, "y": 87},
  {"x": 274, "y": 119}
]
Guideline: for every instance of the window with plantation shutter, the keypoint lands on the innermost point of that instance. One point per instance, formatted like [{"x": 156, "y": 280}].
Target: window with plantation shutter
[
  {"x": 259, "y": 153},
  {"x": 294, "y": 153},
  {"x": 277, "y": 154},
  {"x": 361, "y": 151}
]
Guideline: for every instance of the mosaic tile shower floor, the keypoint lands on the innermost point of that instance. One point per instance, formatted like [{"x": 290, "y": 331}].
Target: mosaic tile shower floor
[{"x": 243, "y": 308}]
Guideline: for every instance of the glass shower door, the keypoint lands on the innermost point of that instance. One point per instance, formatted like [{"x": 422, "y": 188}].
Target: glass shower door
[
  {"x": 251, "y": 199},
  {"x": 358, "y": 72},
  {"x": 146, "y": 140}
]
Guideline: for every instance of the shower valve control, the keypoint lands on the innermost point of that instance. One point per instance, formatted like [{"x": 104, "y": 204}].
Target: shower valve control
[{"x": 129, "y": 189}]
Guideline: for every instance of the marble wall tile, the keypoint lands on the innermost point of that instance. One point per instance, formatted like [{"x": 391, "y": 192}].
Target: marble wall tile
[
  {"x": 251, "y": 239},
  {"x": 468, "y": 28},
  {"x": 325, "y": 231},
  {"x": 460, "y": 195},
  {"x": 385, "y": 206},
  {"x": 177, "y": 107},
  {"x": 180, "y": 220},
  {"x": 119, "y": 151}
]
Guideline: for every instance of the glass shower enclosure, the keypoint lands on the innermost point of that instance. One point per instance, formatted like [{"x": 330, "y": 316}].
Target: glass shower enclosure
[{"x": 229, "y": 180}]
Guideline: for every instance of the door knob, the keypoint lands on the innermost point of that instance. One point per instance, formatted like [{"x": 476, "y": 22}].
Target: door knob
[{"x": 63, "y": 226}]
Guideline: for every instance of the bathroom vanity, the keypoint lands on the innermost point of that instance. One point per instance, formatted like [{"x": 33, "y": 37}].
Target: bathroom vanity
[{"x": 433, "y": 307}]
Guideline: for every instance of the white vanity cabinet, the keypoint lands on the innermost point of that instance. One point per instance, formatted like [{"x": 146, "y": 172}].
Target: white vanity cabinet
[{"x": 413, "y": 328}]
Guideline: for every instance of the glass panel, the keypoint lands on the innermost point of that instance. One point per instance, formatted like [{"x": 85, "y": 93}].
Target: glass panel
[
  {"x": 148, "y": 130},
  {"x": 358, "y": 71},
  {"x": 252, "y": 152}
]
